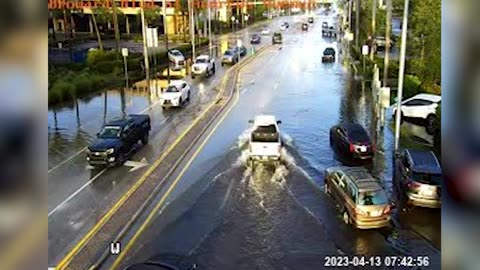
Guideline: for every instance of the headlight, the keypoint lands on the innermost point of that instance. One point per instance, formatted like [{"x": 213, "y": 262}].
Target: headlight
[{"x": 110, "y": 151}]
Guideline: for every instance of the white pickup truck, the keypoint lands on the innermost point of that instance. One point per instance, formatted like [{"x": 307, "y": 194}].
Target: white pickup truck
[
  {"x": 176, "y": 94},
  {"x": 204, "y": 66},
  {"x": 265, "y": 144}
]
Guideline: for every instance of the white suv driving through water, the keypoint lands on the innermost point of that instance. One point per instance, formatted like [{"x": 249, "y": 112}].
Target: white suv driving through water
[
  {"x": 176, "y": 94},
  {"x": 204, "y": 66},
  {"x": 265, "y": 143}
]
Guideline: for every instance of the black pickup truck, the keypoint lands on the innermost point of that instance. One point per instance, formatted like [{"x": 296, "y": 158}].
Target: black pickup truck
[{"x": 117, "y": 139}]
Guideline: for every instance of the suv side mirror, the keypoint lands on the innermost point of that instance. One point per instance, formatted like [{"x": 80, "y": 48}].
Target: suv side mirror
[
  {"x": 279, "y": 122},
  {"x": 98, "y": 134}
]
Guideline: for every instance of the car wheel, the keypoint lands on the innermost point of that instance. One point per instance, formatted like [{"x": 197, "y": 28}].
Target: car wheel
[
  {"x": 180, "y": 102},
  {"x": 431, "y": 123},
  {"x": 120, "y": 160},
  {"x": 188, "y": 96},
  {"x": 327, "y": 189},
  {"x": 346, "y": 217},
  {"x": 145, "y": 138},
  {"x": 213, "y": 68},
  {"x": 193, "y": 76}
]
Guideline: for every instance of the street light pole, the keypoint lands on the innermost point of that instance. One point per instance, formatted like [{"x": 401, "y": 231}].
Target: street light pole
[
  {"x": 388, "y": 30},
  {"x": 165, "y": 30},
  {"x": 401, "y": 74},
  {"x": 374, "y": 22},
  {"x": 145, "y": 49},
  {"x": 209, "y": 28},
  {"x": 192, "y": 27}
]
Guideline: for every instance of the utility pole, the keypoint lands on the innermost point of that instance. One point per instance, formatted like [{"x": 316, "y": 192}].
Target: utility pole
[
  {"x": 401, "y": 74},
  {"x": 192, "y": 28},
  {"x": 209, "y": 28},
  {"x": 115, "y": 26},
  {"x": 357, "y": 23},
  {"x": 374, "y": 24},
  {"x": 145, "y": 49},
  {"x": 388, "y": 44},
  {"x": 165, "y": 30}
]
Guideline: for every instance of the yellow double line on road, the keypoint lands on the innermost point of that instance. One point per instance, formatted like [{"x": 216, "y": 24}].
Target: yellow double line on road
[
  {"x": 68, "y": 258},
  {"x": 155, "y": 210}
]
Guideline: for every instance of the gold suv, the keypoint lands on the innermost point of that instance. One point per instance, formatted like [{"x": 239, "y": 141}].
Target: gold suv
[{"x": 362, "y": 200}]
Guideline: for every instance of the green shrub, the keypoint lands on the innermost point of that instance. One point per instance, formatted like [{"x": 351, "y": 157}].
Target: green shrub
[
  {"x": 412, "y": 86},
  {"x": 105, "y": 67},
  {"x": 96, "y": 56},
  {"x": 62, "y": 90},
  {"x": 83, "y": 84}
]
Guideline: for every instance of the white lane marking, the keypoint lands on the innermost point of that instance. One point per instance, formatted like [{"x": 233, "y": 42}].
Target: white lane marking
[
  {"x": 136, "y": 164},
  {"x": 68, "y": 159},
  {"x": 76, "y": 192},
  {"x": 85, "y": 148}
]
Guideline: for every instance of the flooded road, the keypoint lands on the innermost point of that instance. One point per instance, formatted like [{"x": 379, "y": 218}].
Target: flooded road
[{"x": 224, "y": 216}]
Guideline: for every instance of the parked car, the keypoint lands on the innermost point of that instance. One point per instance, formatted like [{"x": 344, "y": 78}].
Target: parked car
[
  {"x": 352, "y": 140},
  {"x": 265, "y": 32},
  {"x": 418, "y": 177},
  {"x": 310, "y": 19},
  {"x": 117, "y": 140},
  {"x": 328, "y": 55},
  {"x": 284, "y": 26},
  {"x": 421, "y": 106},
  {"x": 204, "y": 66},
  {"x": 264, "y": 143},
  {"x": 361, "y": 199},
  {"x": 176, "y": 94},
  {"x": 242, "y": 50},
  {"x": 277, "y": 38},
  {"x": 305, "y": 26},
  {"x": 176, "y": 57},
  {"x": 230, "y": 57},
  {"x": 324, "y": 28},
  {"x": 255, "y": 39}
]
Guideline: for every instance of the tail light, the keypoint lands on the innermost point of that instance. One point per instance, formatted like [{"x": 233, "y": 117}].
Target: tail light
[
  {"x": 387, "y": 209},
  {"x": 360, "y": 212},
  {"x": 413, "y": 185},
  {"x": 352, "y": 148}
]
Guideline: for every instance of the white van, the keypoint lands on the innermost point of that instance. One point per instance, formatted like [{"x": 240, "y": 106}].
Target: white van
[{"x": 265, "y": 143}]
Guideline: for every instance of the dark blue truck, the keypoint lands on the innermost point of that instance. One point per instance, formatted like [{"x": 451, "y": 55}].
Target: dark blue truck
[{"x": 117, "y": 140}]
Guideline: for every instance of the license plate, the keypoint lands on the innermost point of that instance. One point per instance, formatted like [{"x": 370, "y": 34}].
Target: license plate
[
  {"x": 375, "y": 213},
  {"x": 363, "y": 148},
  {"x": 428, "y": 192}
]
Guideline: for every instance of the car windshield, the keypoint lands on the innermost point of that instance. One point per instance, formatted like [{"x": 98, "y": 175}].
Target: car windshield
[
  {"x": 172, "y": 89},
  {"x": 377, "y": 197},
  {"x": 228, "y": 52},
  {"x": 176, "y": 53},
  {"x": 265, "y": 134},
  {"x": 110, "y": 132},
  {"x": 277, "y": 35},
  {"x": 201, "y": 60},
  {"x": 358, "y": 134},
  {"x": 426, "y": 178},
  {"x": 329, "y": 51}
]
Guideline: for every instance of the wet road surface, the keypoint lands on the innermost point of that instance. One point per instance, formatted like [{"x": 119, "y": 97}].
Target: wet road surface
[
  {"x": 80, "y": 196},
  {"x": 224, "y": 216}
]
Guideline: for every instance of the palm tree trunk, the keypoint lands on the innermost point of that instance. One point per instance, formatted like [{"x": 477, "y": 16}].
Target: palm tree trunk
[
  {"x": 95, "y": 25},
  {"x": 115, "y": 26}
]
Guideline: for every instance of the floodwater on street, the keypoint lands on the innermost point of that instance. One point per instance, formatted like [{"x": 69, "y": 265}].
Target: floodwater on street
[{"x": 226, "y": 216}]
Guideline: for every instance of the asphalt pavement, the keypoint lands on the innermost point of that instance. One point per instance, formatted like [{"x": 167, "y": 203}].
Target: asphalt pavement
[
  {"x": 80, "y": 196},
  {"x": 223, "y": 215}
]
